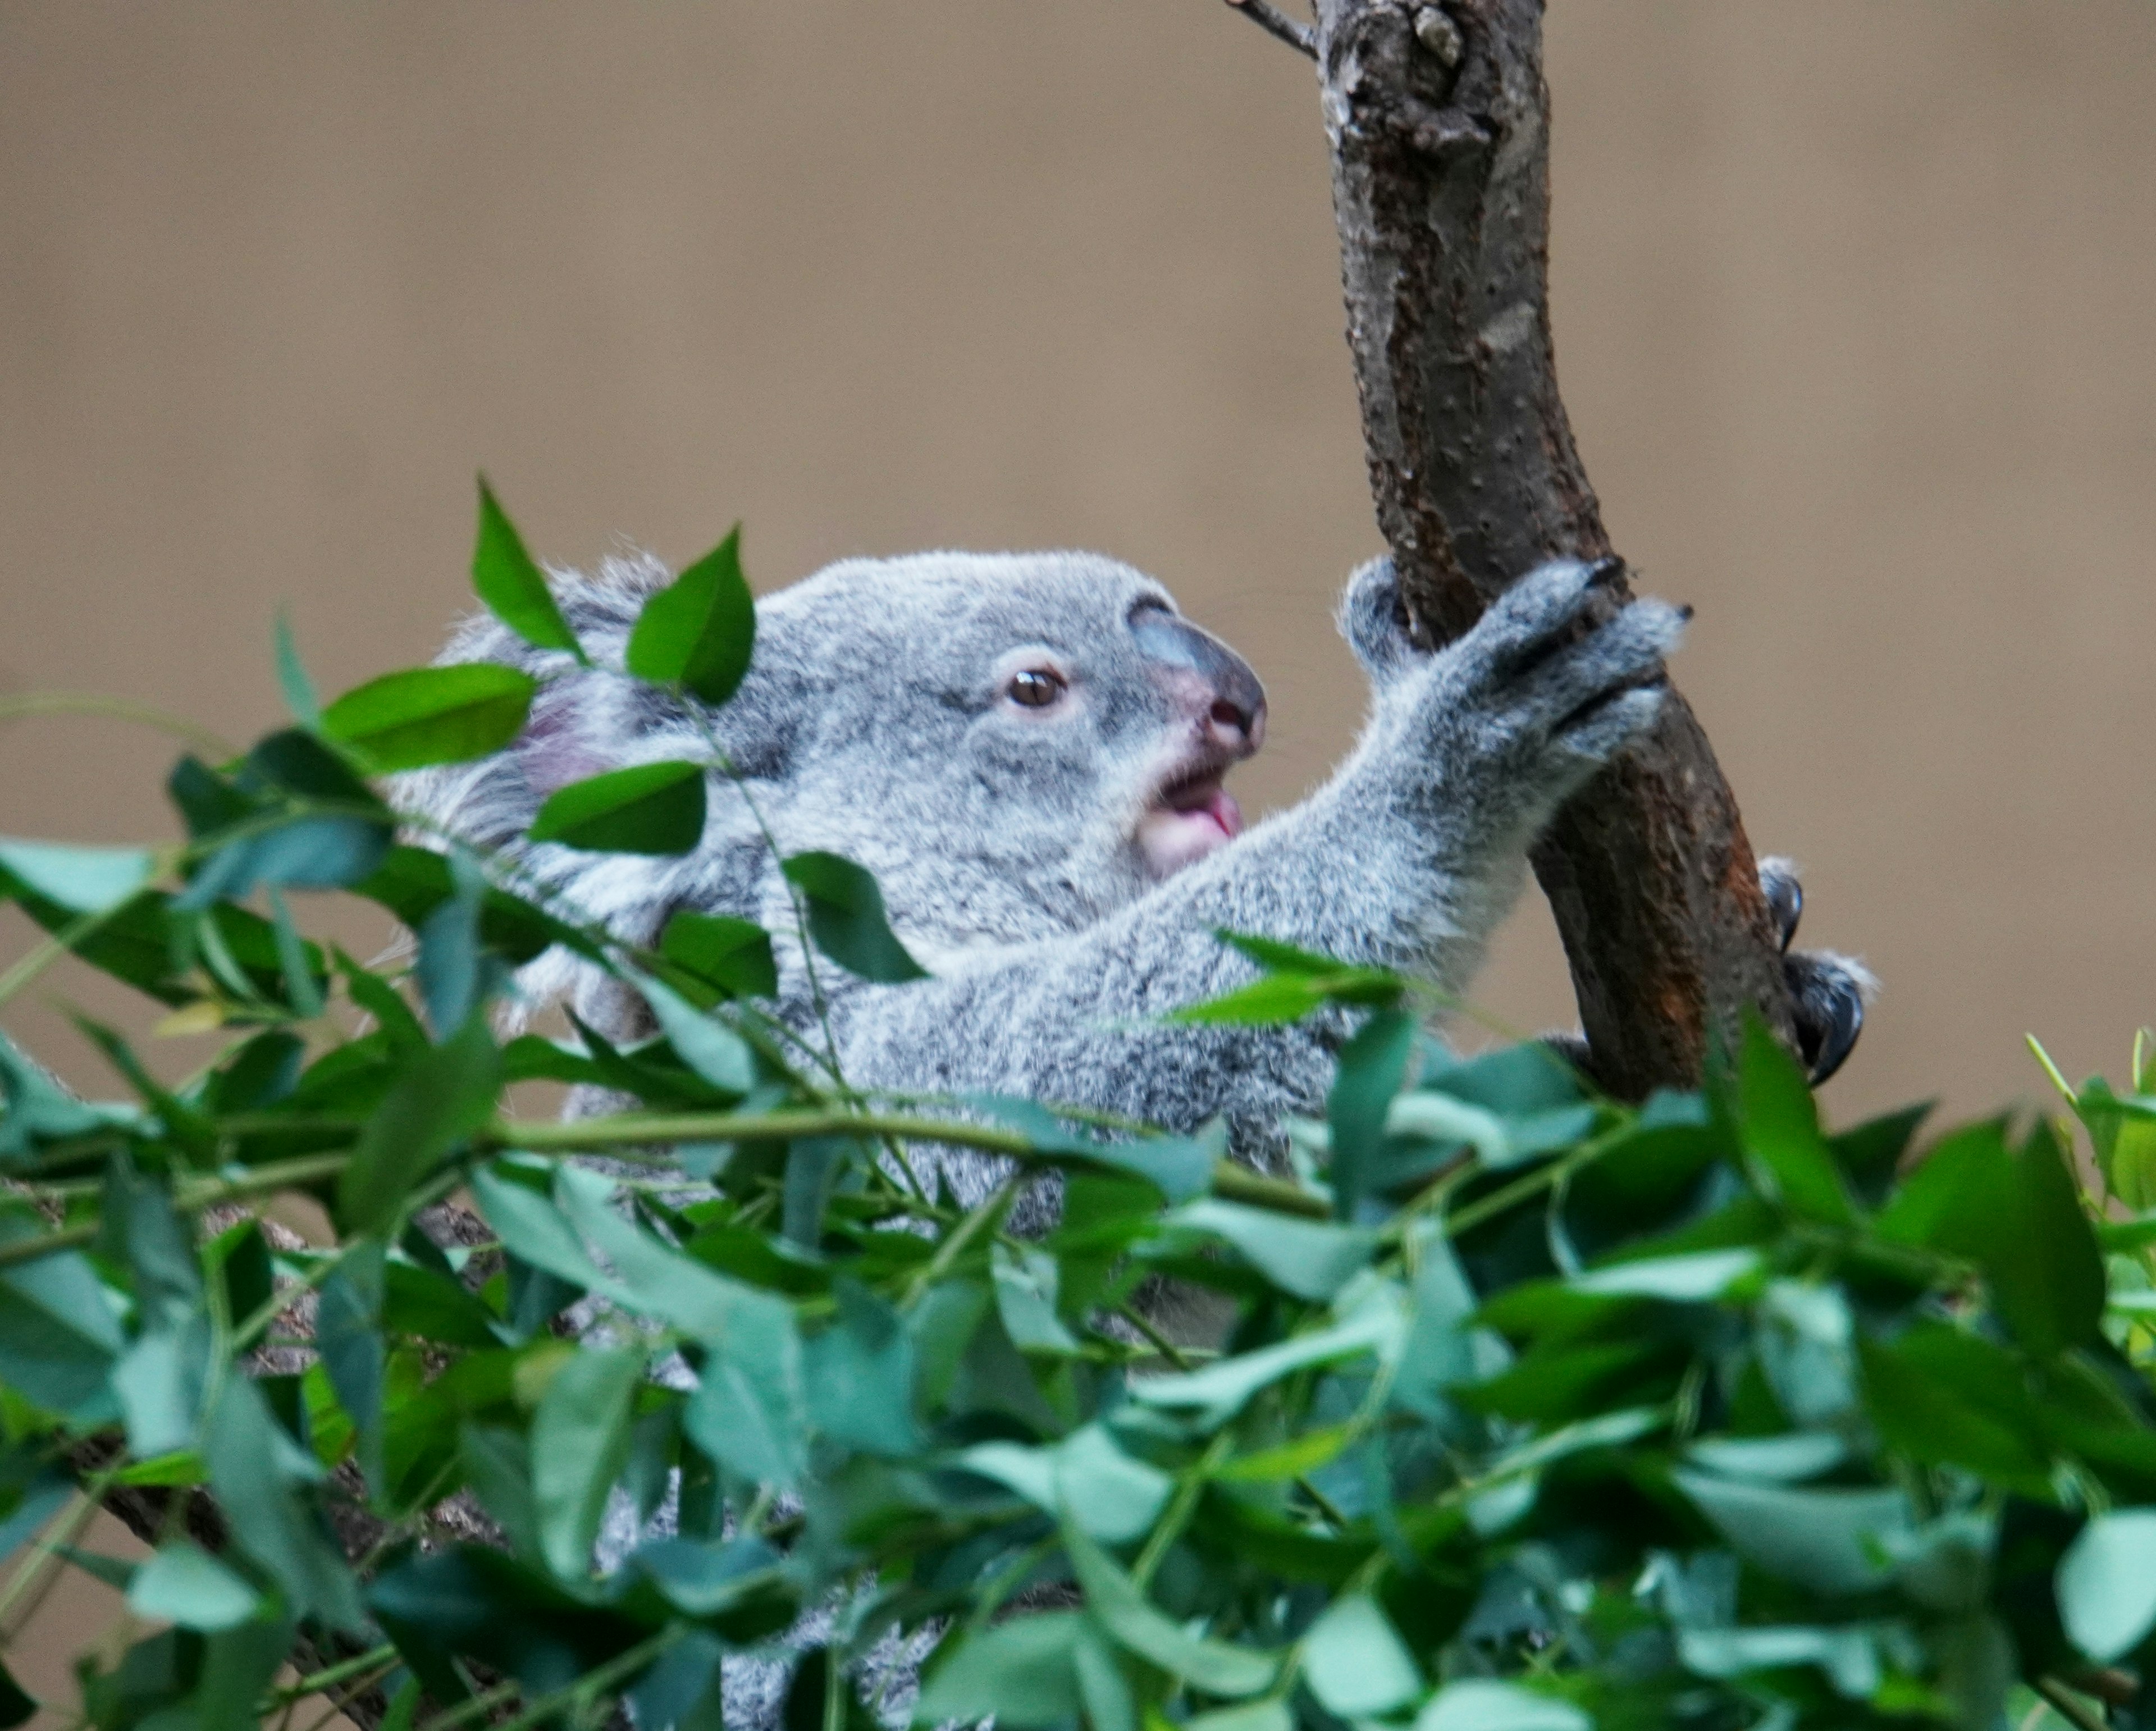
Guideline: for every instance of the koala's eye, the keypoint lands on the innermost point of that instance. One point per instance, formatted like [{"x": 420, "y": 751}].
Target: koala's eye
[{"x": 1035, "y": 687}]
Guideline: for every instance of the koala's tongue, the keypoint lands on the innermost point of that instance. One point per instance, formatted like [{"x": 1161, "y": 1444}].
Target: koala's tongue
[{"x": 1189, "y": 825}]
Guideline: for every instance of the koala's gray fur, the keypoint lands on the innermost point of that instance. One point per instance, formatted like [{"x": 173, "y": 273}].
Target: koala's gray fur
[{"x": 872, "y": 724}]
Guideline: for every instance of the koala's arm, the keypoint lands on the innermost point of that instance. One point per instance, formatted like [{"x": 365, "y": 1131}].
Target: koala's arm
[{"x": 1406, "y": 859}]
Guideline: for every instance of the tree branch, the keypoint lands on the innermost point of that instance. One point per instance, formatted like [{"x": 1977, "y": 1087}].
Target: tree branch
[
  {"x": 1275, "y": 23},
  {"x": 1438, "y": 118}
]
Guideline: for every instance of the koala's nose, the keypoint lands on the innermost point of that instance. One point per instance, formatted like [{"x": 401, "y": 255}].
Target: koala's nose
[{"x": 1196, "y": 667}]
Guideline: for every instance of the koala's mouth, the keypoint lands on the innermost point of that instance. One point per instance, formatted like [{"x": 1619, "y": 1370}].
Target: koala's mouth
[{"x": 1189, "y": 816}]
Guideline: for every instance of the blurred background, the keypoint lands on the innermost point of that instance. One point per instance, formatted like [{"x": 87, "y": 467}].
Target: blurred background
[{"x": 1852, "y": 305}]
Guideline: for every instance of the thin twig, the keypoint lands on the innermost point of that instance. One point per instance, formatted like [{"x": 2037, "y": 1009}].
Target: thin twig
[
  {"x": 2069, "y": 1706},
  {"x": 1275, "y": 23},
  {"x": 122, "y": 709}
]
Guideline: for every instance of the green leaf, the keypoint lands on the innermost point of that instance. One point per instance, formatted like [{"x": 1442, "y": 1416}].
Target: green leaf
[
  {"x": 83, "y": 879},
  {"x": 1355, "y": 1663},
  {"x": 1789, "y": 1459},
  {"x": 43, "y": 1497},
  {"x": 749, "y": 1411},
  {"x": 1026, "y": 1282},
  {"x": 431, "y": 715},
  {"x": 1849, "y": 1656},
  {"x": 1780, "y": 1125},
  {"x": 1307, "y": 1258},
  {"x": 512, "y": 586},
  {"x": 1946, "y": 1397},
  {"x": 536, "y": 1232},
  {"x": 57, "y": 1335},
  {"x": 2107, "y": 1584},
  {"x": 734, "y": 955},
  {"x": 1272, "y": 1001},
  {"x": 698, "y": 632},
  {"x": 1179, "y": 1167},
  {"x": 1826, "y": 1541},
  {"x": 2019, "y": 1217},
  {"x": 579, "y": 1445},
  {"x": 661, "y": 1280},
  {"x": 182, "y": 1583},
  {"x": 718, "y": 1055},
  {"x": 1019, "y": 1673},
  {"x": 1269, "y": 1715},
  {"x": 1114, "y": 1599},
  {"x": 646, "y": 809},
  {"x": 441, "y": 1095},
  {"x": 1484, "y": 1705},
  {"x": 1690, "y": 1279},
  {"x": 846, "y": 918},
  {"x": 292, "y": 681},
  {"x": 859, "y": 1376},
  {"x": 1113, "y": 1496},
  {"x": 259, "y": 1474},
  {"x": 16, "y": 1707},
  {"x": 1372, "y": 1066},
  {"x": 348, "y": 1336},
  {"x": 1219, "y": 1391}
]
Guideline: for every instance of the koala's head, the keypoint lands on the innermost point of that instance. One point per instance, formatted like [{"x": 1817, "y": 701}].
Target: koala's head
[
  {"x": 1004, "y": 739},
  {"x": 1048, "y": 715}
]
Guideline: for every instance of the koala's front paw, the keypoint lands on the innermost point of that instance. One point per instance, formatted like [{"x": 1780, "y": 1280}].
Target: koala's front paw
[
  {"x": 1828, "y": 992},
  {"x": 1521, "y": 710}
]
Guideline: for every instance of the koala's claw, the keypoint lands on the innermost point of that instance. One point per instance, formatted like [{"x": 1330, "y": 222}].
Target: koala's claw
[
  {"x": 1785, "y": 896},
  {"x": 1829, "y": 991}
]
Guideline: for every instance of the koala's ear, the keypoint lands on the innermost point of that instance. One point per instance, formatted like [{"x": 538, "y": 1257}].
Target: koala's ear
[{"x": 586, "y": 720}]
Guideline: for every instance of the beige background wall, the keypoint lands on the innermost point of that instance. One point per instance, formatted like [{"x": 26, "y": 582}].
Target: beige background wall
[{"x": 1852, "y": 304}]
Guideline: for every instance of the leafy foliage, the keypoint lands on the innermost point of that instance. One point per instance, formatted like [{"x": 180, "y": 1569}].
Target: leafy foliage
[{"x": 1529, "y": 1411}]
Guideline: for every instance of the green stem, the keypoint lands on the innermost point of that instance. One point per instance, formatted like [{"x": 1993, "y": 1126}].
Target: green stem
[
  {"x": 120, "y": 709},
  {"x": 328, "y": 1676},
  {"x": 2069, "y": 1706},
  {"x": 1169, "y": 1527}
]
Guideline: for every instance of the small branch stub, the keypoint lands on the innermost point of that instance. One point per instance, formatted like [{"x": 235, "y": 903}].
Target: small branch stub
[
  {"x": 1302, "y": 37},
  {"x": 1438, "y": 119}
]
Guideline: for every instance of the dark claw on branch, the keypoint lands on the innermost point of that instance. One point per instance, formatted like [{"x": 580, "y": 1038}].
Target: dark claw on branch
[
  {"x": 1829, "y": 1010},
  {"x": 1785, "y": 896}
]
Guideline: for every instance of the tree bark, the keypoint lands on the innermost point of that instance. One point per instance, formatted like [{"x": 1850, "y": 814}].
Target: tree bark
[{"x": 1438, "y": 117}]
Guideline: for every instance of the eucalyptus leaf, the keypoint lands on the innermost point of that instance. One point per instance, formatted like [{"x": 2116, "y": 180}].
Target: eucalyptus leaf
[
  {"x": 1354, "y": 1662},
  {"x": 1216, "y": 1667},
  {"x": 2107, "y": 1584},
  {"x": 1486, "y": 1704},
  {"x": 1372, "y": 1066},
  {"x": 697, "y": 633},
  {"x": 846, "y": 918},
  {"x": 579, "y": 1445},
  {"x": 1781, "y": 1128},
  {"x": 182, "y": 1583},
  {"x": 646, "y": 809},
  {"x": 431, "y": 715},
  {"x": 718, "y": 1055},
  {"x": 441, "y": 1095},
  {"x": 1308, "y": 1258},
  {"x": 512, "y": 585},
  {"x": 1021, "y": 1673},
  {"x": 84, "y": 880},
  {"x": 734, "y": 955}
]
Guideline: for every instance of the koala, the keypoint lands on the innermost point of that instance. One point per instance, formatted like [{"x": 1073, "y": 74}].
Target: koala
[{"x": 1029, "y": 752}]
